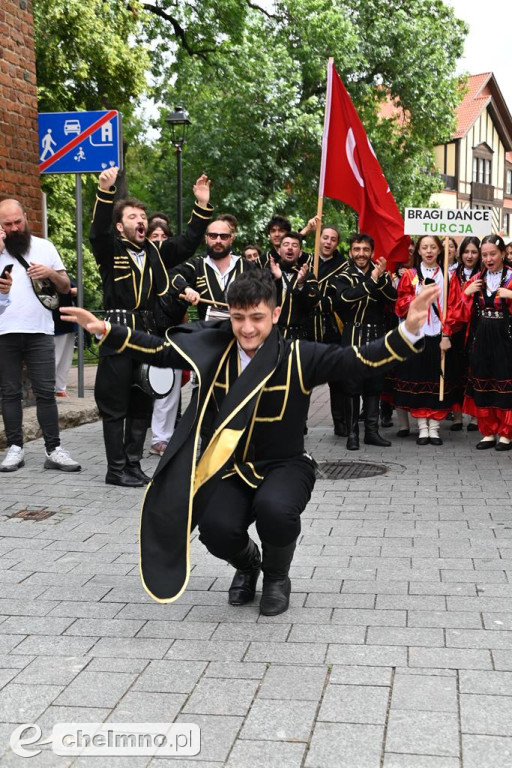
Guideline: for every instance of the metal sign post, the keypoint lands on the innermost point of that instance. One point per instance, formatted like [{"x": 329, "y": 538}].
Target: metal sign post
[
  {"x": 79, "y": 279},
  {"x": 79, "y": 142}
]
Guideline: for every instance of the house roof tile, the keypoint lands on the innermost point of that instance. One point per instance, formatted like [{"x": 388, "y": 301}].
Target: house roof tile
[{"x": 475, "y": 100}]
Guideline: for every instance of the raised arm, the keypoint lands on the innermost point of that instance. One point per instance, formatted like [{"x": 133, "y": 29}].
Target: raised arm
[
  {"x": 353, "y": 365},
  {"x": 141, "y": 346},
  {"x": 101, "y": 233},
  {"x": 176, "y": 249}
]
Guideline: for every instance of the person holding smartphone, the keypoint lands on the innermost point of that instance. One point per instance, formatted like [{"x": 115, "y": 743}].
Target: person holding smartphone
[
  {"x": 26, "y": 336},
  {"x": 5, "y": 279}
]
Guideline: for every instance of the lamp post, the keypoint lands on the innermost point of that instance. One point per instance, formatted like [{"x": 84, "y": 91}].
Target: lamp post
[{"x": 178, "y": 123}]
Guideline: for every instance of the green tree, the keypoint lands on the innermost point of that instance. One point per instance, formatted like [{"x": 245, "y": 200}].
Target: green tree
[
  {"x": 89, "y": 56},
  {"x": 256, "y": 103}
]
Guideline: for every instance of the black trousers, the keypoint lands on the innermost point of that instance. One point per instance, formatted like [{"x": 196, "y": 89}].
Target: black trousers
[
  {"x": 37, "y": 350},
  {"x": 115, "y": 396},
  {"x": 275, "y": 506}
]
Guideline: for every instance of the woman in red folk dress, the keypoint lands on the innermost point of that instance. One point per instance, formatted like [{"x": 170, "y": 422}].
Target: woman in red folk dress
[
  {"x": 417, "y": 381},
  {"x": 485, "y": 303},
  {"x": 468, "y": 264}
]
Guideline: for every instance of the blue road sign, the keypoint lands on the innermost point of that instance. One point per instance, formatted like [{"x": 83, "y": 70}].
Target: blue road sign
[{"x": 79, "y": 142}]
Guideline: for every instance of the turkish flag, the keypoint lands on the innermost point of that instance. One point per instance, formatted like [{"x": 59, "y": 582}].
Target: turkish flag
[{"x": 350, "y": 172}]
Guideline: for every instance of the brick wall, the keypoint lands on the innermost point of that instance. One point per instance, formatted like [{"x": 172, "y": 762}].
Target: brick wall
[{"x": 19, "y": 144}]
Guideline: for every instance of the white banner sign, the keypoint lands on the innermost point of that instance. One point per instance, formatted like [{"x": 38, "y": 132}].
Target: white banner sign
[{"x": 452, "y": 222}]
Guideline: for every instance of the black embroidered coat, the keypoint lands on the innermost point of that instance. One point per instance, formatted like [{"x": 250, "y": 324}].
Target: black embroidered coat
[{"x": 260, "y": 417}]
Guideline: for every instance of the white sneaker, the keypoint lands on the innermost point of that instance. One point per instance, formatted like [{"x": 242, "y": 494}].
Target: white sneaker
[
  {"x": 60, "y": 459},
  {"x": 14, "y": 459}
]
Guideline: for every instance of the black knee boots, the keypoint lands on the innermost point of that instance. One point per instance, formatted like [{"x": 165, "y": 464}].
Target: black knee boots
[
  {"x": 248, "y": 565},
  {"x": 275, "y": 595},
  {"x": 386, "y": 414},
  {"x": 134, "y": 436},
  {"x": 352, "y": 421},
  {"x": 338, "y": 412},
  {"x": 117, "y": 471},
  {"x": 371, "y": 423}
]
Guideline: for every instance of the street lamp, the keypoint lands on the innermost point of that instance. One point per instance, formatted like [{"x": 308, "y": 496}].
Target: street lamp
[{"x": 178, "y": 122}]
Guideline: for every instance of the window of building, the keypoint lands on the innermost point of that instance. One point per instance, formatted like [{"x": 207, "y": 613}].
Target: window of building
[
  {"x": 508, "y": 183},
  {"x": 482, "y": 164},
  {"x": 506, "y": 223}
]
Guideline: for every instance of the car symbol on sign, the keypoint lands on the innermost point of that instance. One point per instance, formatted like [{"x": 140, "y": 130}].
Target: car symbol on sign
[{"x": 72, "y": 126}]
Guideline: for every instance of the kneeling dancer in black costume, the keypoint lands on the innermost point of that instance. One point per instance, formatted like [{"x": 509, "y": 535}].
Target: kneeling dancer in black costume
[{"x": 254, "y": 467}]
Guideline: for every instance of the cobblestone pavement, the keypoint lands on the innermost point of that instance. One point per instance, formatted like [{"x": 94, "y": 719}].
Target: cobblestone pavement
[{"x": 395, "y": 653}]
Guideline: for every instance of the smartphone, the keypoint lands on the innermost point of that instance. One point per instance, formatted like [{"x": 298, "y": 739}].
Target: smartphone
[{"x": 7, "y": 271}]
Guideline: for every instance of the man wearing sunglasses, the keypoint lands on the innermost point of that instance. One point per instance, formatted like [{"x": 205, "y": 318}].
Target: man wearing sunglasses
[{"x": 206, "y": 277}]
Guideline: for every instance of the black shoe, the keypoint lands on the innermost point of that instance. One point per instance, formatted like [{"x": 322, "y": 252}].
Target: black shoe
[
  {"x": 386, "y": 422},
  {"x": 403, "y": 433},
  {"x": 248, "y": 565},
  {"x": 472, "y": 427},
  {"x": 138, "y": 473},
  {"x": 373, "y": 438},
  {"x": 275, "y": 594},
  {"x": 435, "y": 441},
  {"x": 503, "y": 446},
  {"x": 353, "y": 442},
  {"x": 484, "y": 445},
  {"x": 124, "y": 479},
  {"x": 457, "y": 427},
  {"x": 422, "y": 440}
]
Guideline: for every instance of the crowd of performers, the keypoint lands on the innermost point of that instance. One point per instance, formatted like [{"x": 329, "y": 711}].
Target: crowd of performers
[
  {"x": 150, "y": 280},
  {"x": 355, "y": 300},
  {"x": 475, "y": 337}
]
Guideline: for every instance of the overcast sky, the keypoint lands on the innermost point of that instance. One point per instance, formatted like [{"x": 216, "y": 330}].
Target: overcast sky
[{"x": 488, "y": 45}]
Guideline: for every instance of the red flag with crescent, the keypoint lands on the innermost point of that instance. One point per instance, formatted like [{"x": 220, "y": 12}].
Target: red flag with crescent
[{"x": 350, "y": 172}]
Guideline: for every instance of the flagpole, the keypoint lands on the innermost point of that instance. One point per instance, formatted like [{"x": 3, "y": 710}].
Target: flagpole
[
  {"x": 445, "y": 307},
  {"x": 320, "y": 203}
]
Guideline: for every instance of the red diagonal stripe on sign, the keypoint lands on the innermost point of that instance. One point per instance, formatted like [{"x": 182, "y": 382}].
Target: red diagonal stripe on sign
[{"x": 78, "y": 140}]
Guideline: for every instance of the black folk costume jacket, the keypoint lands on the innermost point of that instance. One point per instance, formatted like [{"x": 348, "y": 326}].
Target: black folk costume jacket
[
  {"x": 297, "y": 302},
  {"x": 197, "y": 274},
  {"x": 132, "y": 290},
  {"x": 361, "y": 304},
  {"x": 259, "y": 421},
  {"x": 326, "y": 327}
]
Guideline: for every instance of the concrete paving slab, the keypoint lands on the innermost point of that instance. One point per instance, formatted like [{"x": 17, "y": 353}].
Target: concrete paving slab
[{"x": 400, "y": 615}]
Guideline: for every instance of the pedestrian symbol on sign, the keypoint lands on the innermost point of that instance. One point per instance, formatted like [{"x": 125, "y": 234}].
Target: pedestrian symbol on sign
[
  {"x": 79, "y": 142},
  {"x": 47, "y": 142}
]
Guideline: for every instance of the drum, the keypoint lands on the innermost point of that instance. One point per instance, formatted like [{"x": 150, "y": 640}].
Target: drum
[{"x": 156, "y": 382}]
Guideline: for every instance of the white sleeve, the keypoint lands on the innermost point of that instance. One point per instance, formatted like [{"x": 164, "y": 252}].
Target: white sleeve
[
  {"x": 56, "y": 261},
  {"x": 413, "y": 338}
]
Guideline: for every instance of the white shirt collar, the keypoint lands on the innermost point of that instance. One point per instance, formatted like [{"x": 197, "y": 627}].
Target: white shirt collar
[
  {"x": 244, "y": 357},
  {"x": 222, "y": 275}
]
